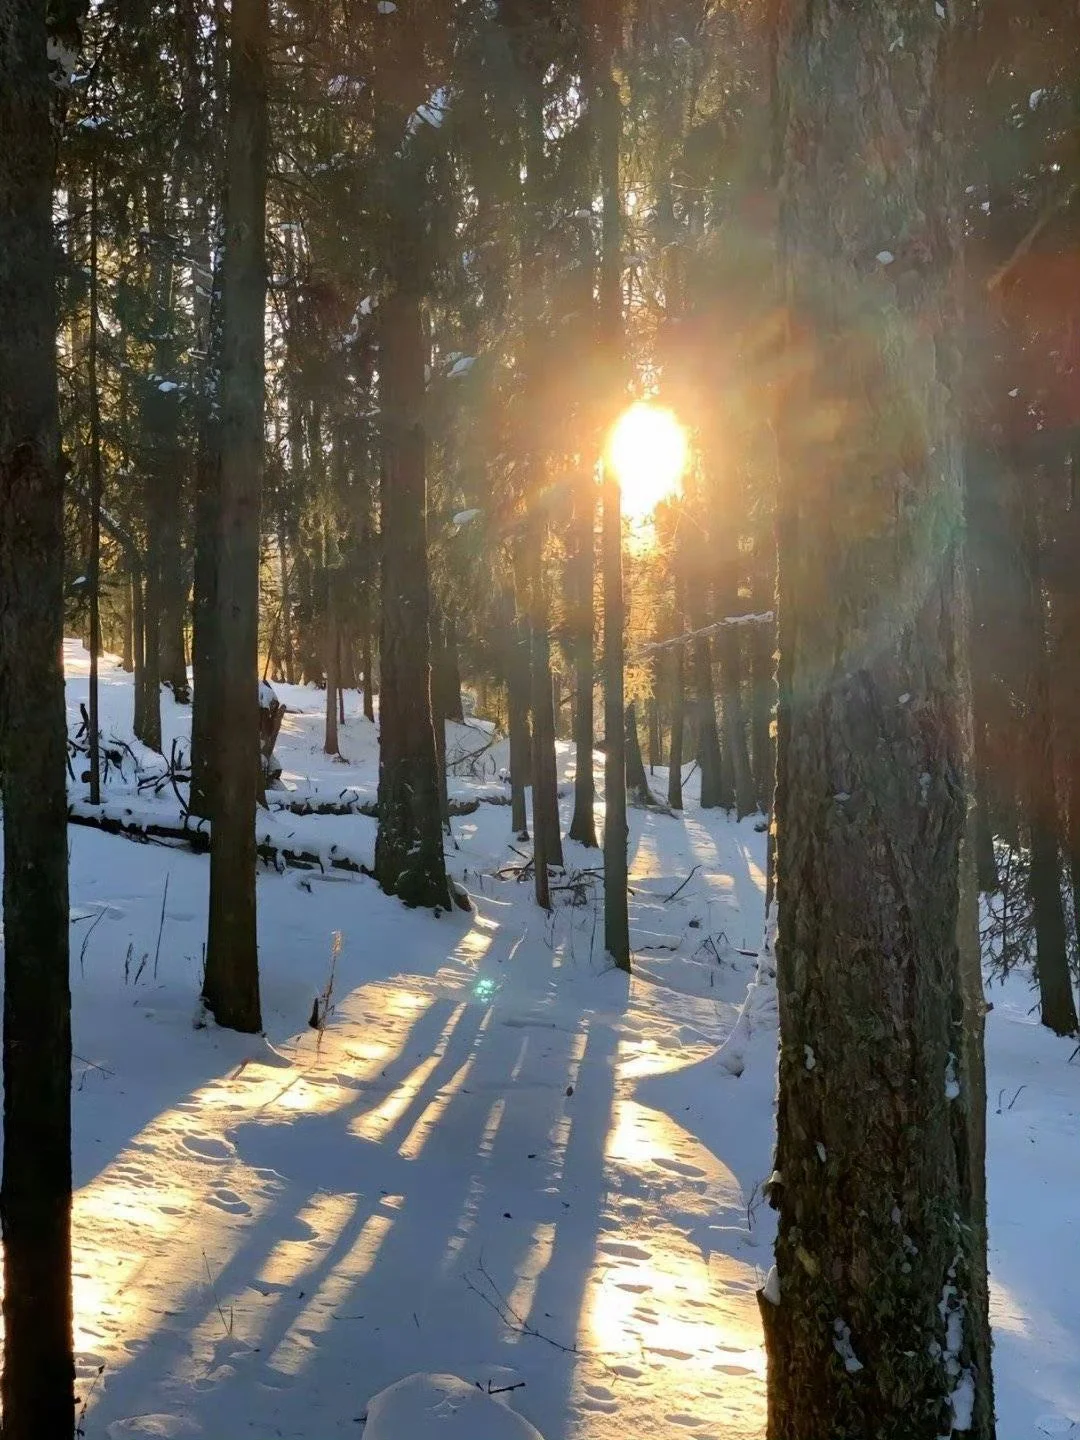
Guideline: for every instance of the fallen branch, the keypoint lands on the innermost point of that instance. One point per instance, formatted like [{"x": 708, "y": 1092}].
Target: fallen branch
[
  {"x": 668, "y": 898},
  {"x": 346, "y": 804}
]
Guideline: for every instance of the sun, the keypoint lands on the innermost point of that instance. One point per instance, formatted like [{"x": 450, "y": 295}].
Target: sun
[{"x": 647, "y": 450}]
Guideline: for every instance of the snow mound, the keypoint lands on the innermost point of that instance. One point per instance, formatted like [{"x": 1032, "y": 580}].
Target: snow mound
[{"x": 442, "y": 1407}]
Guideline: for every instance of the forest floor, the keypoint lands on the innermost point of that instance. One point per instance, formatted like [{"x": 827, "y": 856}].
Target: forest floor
[{"x": 498, "y": 1159}]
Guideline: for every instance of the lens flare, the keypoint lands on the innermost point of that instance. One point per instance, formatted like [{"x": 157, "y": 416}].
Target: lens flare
[{"x": 647, "y": 450}]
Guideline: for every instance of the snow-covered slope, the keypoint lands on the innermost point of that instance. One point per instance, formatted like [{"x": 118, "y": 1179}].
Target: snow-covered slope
[{"x": 499, "y": 1161}]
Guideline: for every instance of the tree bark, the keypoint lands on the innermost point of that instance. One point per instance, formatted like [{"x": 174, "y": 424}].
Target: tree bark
[
  {"x": 37, "y": 1387},
  {"x": 517, "y": 683},
  {"x": 581, "y": 585},
  {"x": 1056, "y": 1004},
  {"x": 881, "y": 1327},
  {"x": 547, "y": 840},
  {"x": 604, "y": 22},
  {"x": 763, "y": 688},
  {"x": 736, "y": 754},
  {"x": 408, "y": 850},
  {"x": 678, "y": 726},
  {"x": 231, "y": 984},
  {"x": 94, "y": 574},
  {"x": 637, "y": 782}
]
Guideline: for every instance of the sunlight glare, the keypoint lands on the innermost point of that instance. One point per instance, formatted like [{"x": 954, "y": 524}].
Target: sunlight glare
[{"x": 647, "y": 450}]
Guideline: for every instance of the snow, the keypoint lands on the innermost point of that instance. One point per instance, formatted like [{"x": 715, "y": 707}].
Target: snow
[
  {"x": 497, "y": 1166},
  {"x": 442, "y": 1407}
]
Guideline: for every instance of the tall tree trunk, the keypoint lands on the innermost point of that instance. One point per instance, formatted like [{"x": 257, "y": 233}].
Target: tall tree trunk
[
  {"x": 581, "y": 583},
  {"x": 736, "y": 754},
  {"x": 605, "y": 23},
  {"x": 1056, "y": 1004},
  {"x": 637, "y": 782},
  {"x": 656, "y": 749},
  {"x": 150, "y": 731},
  {"x": 547, "y": 839},
  {"x": 876, "y": 1321},
  {"x": 367, "y": 663},
  {"x": 763, "y": 698},
  {"x": 706, "y": 732},
  {"x": 127, "y": 629},
  {"x": 678, "y": 708},
  {"x": 37, "y": 1387},
  {"x": 231, "y": 985},
  {"x": 333, "y": 658},
  {"x": 138, "y": 635},
  {"x": 408, "y": 850},
  {"x": 287, "y": 662},
  {"x": 94, "y": 576},
  {"x": 205, "y": 637},
  {"x": 518, "y": 673}
]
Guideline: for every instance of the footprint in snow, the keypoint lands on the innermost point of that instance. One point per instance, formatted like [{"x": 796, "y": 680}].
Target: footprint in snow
[
  {"x": 207, "y": 1147},
  {"x": 229, "y": 1201}
]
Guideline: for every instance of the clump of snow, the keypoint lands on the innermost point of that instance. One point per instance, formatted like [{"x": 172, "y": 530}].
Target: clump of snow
[
  {"x": 844, "y": 1348},
  {"x": 443, "y": 1407}
]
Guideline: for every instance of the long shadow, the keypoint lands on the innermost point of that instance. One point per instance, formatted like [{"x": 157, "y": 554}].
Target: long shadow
[{"x": 448, "y": 1217}]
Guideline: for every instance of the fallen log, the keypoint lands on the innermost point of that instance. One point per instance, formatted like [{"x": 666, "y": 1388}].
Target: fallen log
[{"x": 195, "y": 834}]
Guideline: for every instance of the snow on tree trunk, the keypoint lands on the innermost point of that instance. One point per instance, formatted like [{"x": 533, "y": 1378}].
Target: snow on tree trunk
[{"x": 881, "y": 1325}]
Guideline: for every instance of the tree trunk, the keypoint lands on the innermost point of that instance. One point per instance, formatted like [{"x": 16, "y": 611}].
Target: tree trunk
[
  {"x": 763, "y": 689},
  {"x": 287, "y": 661},
  {"x": 637, "y": 782},
  {"x": 1056, "y": 1003},
  {"x": 231, "y": 985},
  {"x": 656, "y": 750},
  {"x": 367, "y": 664},
  {"x": 333, "y": 655},
  {"x": 205, "y": 641},
  {"x": 581, "y": 583},
  {"x": 127, "y": 629},
  {"x": 94, "y": 575},
  {"x": 138, "y": 634},
  {"x": 675, "y": 749},
  {"x": 735, "y": 751},
  {"x": 876, "y": 1319},
  {"x": 518, "y": 671},
  {"x": 408, "y": 850},
  {"x": 37, "y": 1387},
  {"x": 547, "y": 840},
  {"x": 605, "y": 24}
]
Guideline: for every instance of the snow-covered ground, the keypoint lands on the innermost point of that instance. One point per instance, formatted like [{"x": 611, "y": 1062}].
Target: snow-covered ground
[{"x": 499, "y": 1161}]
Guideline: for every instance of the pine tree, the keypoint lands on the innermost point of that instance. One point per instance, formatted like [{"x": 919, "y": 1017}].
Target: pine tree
[
  {"x": 231, "y": 984},
  {"x": 876, "y": 1319},
  {"x": 37, "y": 1387}
]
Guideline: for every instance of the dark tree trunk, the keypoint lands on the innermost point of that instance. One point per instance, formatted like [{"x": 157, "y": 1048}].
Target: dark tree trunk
[
  {"x": 876, "y": 1319},
  {"x": 656, "y": 749},
  {"x": 287, "y": 662},
  {"x": 408, "y": 852},
  {"x": 637, "y": 782},
  {"x": 706, "y": 735},
  {"x": 231, "y": 985},
  {"x": 138, "y": 637},
  {"x": 94, "y": 573},
  {"x": 605, "y": 24},
  {"x": 763, "y": 690},
  {"x": 736, "y": 755},
  {"x": 150, "y": 731},
  {"x": 37, "y": 1388},
  {"x": 1056, "y": 1004},
  {"x": 367, "y": 663},
  {"x": 547, "y": 839},
  {"x": 581, "y": 585},
  {"x": 205, "y": 656},
  {"x": 333, "y": 659},
  {"x": 675, "y": 749},
  {"x": 518, "y": 673}
]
